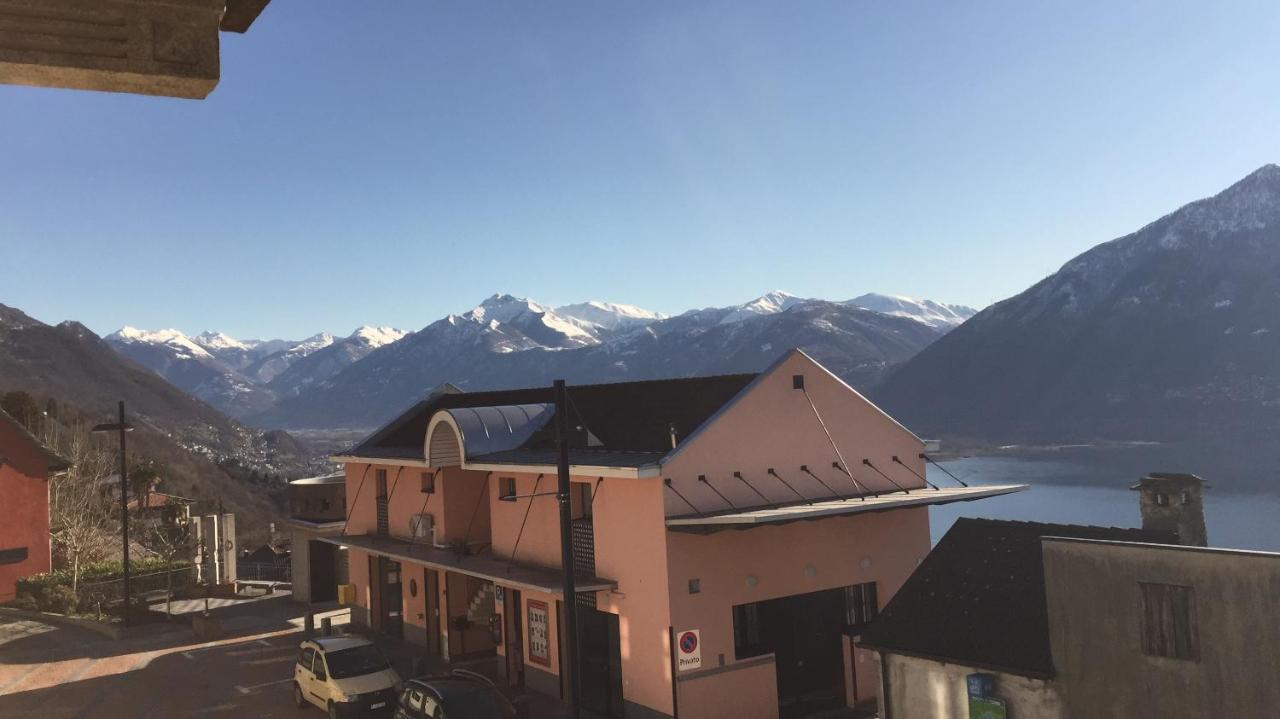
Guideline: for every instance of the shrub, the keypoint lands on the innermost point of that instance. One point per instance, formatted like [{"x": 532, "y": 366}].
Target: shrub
[
  {"x": 58, "y": 599},
  {"x": 25, "y": 601}
]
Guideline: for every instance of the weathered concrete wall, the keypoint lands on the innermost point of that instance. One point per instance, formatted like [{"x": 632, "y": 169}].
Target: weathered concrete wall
[
  {"x": 927, "y": 689},
  {"x": 1095, "y": 614},
  {"x": 300, "y": 564}
]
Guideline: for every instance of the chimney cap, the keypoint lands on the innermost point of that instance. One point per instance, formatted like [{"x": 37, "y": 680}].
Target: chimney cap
[{"x": 1166, "y": 479}]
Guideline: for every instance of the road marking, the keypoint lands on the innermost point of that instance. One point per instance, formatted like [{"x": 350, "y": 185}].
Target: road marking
[
  {"x": 255, "y": 687},
  {"x": 188, "y": 655},
  {"x": 273, "y": 660},
  {"x": 264, "y": 642},
  {"x": 219, "y": 708}
]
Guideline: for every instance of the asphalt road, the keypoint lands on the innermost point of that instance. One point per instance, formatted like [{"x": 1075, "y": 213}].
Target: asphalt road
[{"x": 49, "y": 672}]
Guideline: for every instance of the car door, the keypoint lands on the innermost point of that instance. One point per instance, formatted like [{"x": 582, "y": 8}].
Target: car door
[
  {"x": 320, "y": 681},
  {"x": 302, "y": 670}
]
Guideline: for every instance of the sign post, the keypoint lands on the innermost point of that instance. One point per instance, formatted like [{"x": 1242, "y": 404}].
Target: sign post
[{"x": 688, "y": 650}]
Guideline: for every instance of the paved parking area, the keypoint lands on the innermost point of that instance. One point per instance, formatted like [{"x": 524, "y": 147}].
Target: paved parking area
[{"x": 52, "y": 672}]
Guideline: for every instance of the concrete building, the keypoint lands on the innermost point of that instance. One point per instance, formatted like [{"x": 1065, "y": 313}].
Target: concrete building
[
  {"x": 25, "y": 466},
  {"x": 732, "y": 536},
  {"x": 1042, "y": 621},
  {"x": 1150, "y": 630},
  {"x": 317, "y": 508}
]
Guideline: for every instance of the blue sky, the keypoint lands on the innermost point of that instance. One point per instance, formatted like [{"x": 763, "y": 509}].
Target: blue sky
[{"x": 390, "y": 162}]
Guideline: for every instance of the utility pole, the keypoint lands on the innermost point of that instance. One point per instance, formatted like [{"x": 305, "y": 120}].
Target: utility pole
[
  {"x": 570, "y": 664},
  {"x": 121, "y": 426}
]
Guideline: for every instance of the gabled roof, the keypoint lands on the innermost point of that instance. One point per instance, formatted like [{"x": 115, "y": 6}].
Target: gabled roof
[
  {"x": 618, "y": 417},
  {"x": 55, "y": 462},
  {"x": 978, "y": 599}
]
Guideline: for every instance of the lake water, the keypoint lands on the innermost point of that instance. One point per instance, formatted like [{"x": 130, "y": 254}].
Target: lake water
[{"x": 1094, "y": 489}]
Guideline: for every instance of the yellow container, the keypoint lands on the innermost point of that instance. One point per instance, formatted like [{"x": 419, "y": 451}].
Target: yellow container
[{"x": 346, "y": 594}]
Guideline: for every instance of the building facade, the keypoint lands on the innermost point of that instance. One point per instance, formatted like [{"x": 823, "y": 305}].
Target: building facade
[
  {"x": 731, "y": 536},
  {"x": 1043, "y": 621},
  {"x": 25, "y": 466},
  {"x": 317, "y": 508}
]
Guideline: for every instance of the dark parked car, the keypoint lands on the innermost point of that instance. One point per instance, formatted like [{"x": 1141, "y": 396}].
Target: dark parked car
[{"x": 458, "y": 695}]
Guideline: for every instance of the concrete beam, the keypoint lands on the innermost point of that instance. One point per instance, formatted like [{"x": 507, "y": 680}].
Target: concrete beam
[{"x": 149, "y": 47}]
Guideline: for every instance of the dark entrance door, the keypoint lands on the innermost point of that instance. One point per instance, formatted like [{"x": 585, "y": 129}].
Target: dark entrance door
[
  {"x": 601, "y": 662},
  {"x": 805, "y": 634},
  {"x": 432, "y": 584},
  {"x": 323, "y": 566},
  {"x": 392, "y": 604},
  {"x": 514, "y": 628}
]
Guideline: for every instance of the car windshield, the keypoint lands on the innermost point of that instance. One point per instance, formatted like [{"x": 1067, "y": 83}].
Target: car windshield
[
  {"x": 355, "y": 661},
  {"x": 476, "y": 701}
]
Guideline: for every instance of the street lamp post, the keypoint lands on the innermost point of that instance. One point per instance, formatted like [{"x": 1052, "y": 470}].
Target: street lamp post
[{"x": 121, "y": 426}]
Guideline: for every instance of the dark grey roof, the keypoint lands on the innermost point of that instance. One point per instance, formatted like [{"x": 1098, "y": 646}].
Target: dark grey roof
[
  {"x": 618, "y": 417},
  {"x": 978, "y": 599},
  {"x": 582, "y": 457}
]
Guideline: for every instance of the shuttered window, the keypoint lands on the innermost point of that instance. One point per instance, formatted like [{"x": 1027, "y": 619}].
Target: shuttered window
[{"x": 1169, "y": 627}]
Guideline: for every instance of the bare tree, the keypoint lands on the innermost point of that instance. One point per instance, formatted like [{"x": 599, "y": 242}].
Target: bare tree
[
  {"x": 82, "y": 523},
  {"x": 166, "y": 532}
]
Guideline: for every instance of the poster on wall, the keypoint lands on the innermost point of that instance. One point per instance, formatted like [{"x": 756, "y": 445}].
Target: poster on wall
[{"x": 539, "y": 644}]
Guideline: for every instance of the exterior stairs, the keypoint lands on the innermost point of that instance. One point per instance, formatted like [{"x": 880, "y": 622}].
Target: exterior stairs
[{"x": 482, "y": 605}]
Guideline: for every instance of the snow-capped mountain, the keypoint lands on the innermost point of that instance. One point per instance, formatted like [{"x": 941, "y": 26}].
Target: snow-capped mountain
[
  {"x": 1170, "y": 332},
  {"x": 934, "y": 314},
  {"x": 241, "y": 377},
  {"x": 317, "y": 361},
  {"x": 510, "y": 341},
  {"x": 606, "y": 317}
]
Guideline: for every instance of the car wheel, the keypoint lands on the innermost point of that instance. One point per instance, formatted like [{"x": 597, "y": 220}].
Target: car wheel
[
  {"x": 298, "y": 698},
  {"x": 333, "y": 711}
]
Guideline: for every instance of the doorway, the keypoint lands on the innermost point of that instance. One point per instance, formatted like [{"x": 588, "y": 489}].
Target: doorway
[
  {"x": 514, "y": 635},
  {"x": 391, "y": 606},
  {"x": 600, "y": 677},
  {"x": 805, "y": 633},
  {"x": 323, "y": 565}
]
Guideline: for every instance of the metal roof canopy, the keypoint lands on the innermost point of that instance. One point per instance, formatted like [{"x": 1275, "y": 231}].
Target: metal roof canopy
[
  {"x": 922, "y": 497},
  {"x": 494, "y": 429},
  {"x": 485, "y": 565}
]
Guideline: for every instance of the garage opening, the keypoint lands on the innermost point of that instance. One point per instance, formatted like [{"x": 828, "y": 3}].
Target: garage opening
[{"x": 805, "y": 633}]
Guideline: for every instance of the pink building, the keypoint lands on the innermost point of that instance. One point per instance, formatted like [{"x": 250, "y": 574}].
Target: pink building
[{"x": 732, "y": 534}]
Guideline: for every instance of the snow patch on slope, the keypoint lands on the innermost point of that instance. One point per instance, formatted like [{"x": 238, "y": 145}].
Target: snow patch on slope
[{"x": 175, "y": 340}]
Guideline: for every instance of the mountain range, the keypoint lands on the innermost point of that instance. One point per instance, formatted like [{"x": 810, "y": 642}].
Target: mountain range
[
  {"x": 509, "y": 341},
  {"x": 1168, "y": 333},
  {"x": 241, "y": 377},
  {"x": 207, "y": 456}
]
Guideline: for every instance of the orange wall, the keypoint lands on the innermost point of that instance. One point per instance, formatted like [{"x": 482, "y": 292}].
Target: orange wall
[
  {"x": 774, "y": 426},
  {"x": 540, "y": 542},
  {"x": 461, "y": 494},
  {"x": 782, "y": 558},
  {"x": 630, "y": 537},
  {"x": 24, "y": 519}
]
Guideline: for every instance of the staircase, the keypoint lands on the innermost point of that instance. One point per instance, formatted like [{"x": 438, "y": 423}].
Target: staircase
[{"x": 481, "y": 606}]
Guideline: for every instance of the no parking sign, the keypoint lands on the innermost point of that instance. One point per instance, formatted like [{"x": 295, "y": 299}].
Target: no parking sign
[{"x": 688, "y": 650}]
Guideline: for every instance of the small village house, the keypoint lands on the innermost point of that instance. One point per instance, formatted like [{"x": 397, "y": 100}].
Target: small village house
[
  {"x": 25, "y": 466},
  {"x": 732, "y": 536},
  {"x": 1051, "y": 621}
]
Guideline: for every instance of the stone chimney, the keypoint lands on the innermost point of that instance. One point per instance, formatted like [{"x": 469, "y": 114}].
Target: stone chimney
[{"x": 1172, "y": 501}]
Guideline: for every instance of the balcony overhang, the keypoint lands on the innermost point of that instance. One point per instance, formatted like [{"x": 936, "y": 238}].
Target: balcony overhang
[
  {"x": 781, "y": 514},
  {"x": 484, "y": 565}
]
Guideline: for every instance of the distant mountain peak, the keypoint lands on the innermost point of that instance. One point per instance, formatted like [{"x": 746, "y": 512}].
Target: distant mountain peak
[
  {"x": 934, "y": 314},
  {"x": 377, "y": 336},
  {"x": 218, "y": 341},
  {"x": 170, "y": 337}
]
